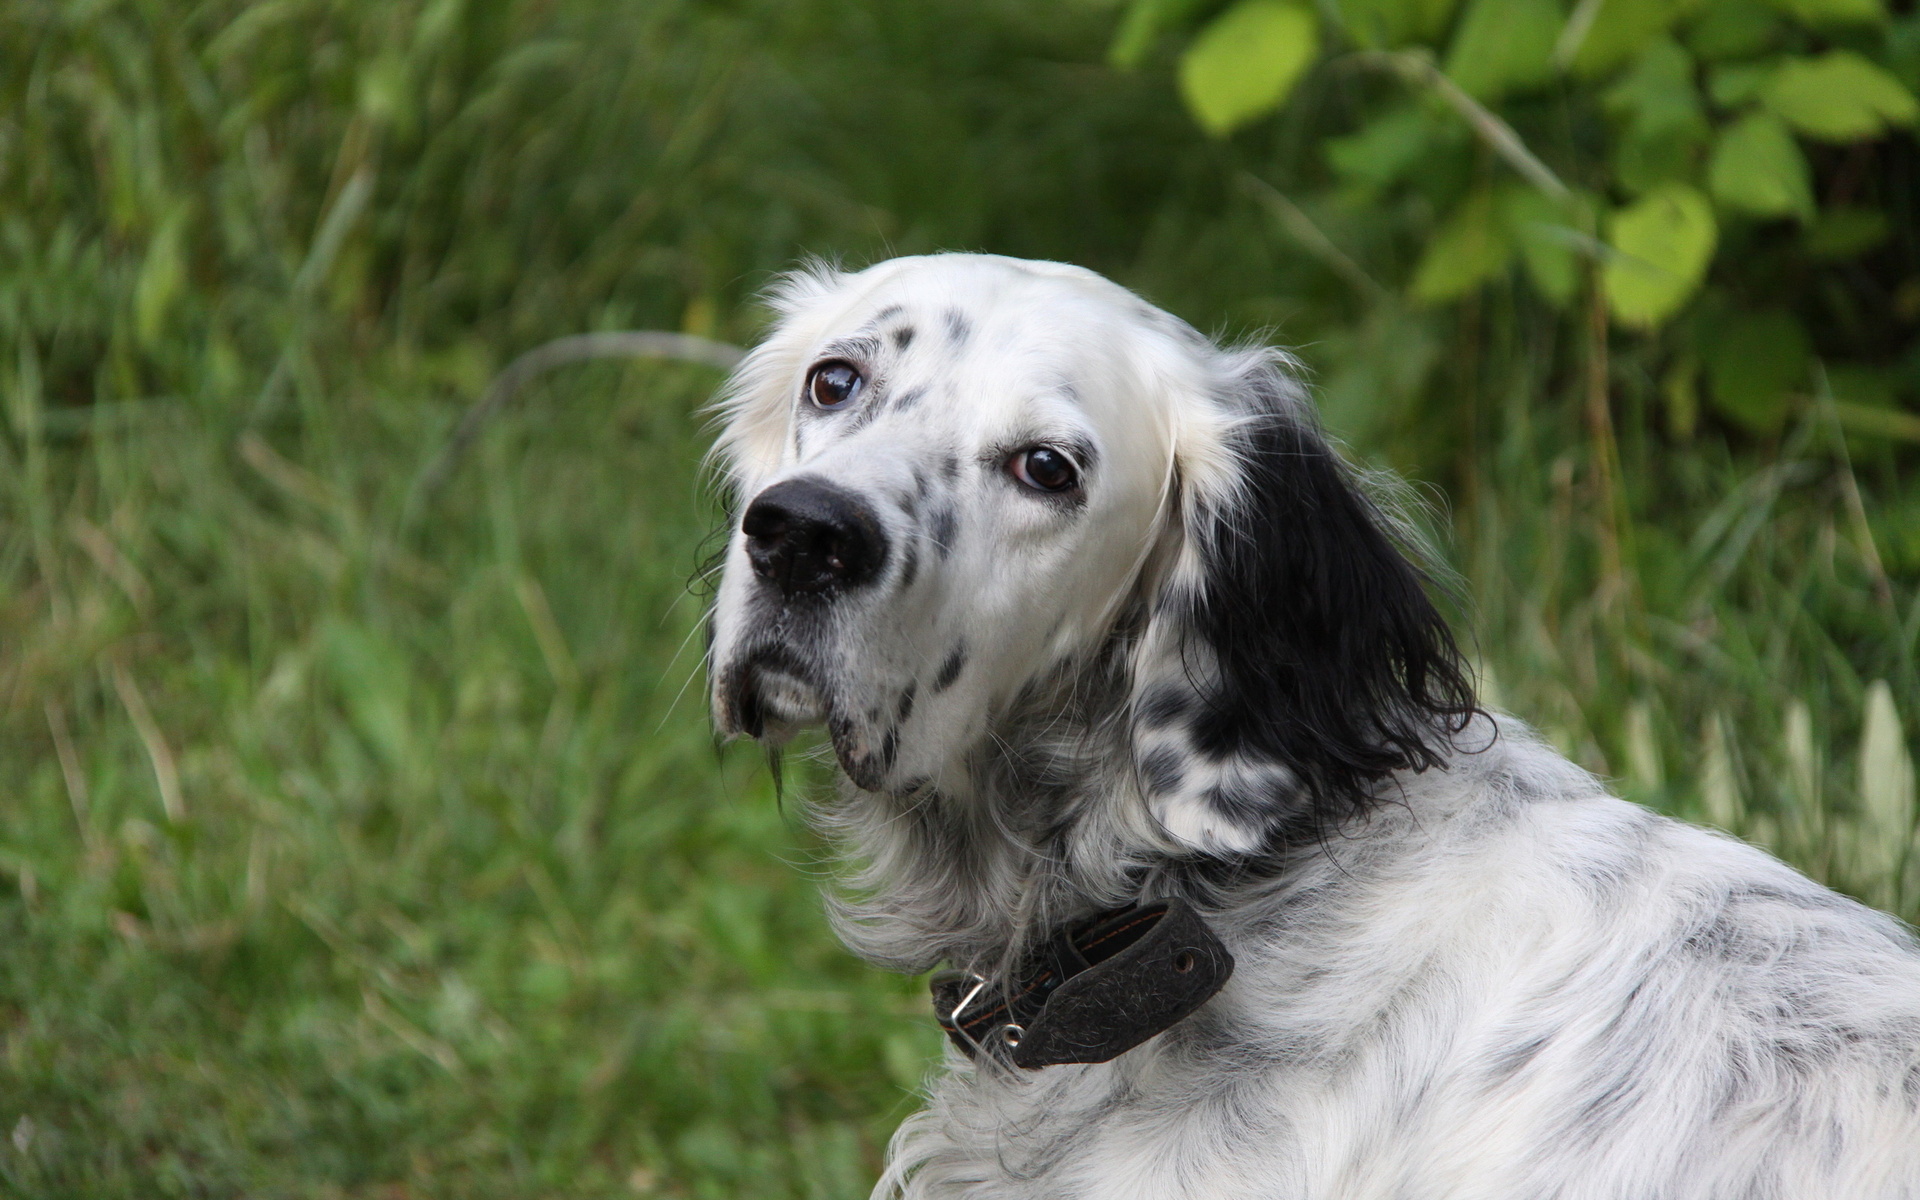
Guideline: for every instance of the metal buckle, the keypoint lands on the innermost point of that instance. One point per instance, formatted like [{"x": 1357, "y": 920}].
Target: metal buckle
[{"x": 956, "y": 1016}]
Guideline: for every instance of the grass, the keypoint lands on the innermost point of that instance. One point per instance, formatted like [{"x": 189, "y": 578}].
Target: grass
[
  {"x": 347, "y": 859},
  {"x": 344, "y": 865}
]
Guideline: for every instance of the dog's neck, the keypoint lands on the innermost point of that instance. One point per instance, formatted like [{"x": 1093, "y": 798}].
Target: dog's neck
[{"x": 1041, "y": 823}]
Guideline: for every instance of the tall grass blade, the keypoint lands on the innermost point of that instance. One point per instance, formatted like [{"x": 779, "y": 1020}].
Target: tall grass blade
[
  {"x": 1646, "y": 775},
  {"x": 1719, "y": 786},
  {"x": 1886, "y": 796}
]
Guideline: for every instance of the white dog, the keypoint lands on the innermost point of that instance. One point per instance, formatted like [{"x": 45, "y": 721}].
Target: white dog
[{"x": 1150, "y": 730}]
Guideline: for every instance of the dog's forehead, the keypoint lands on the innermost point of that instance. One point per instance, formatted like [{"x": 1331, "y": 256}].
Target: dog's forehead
[
  {"x": 982, "y": 281},
  {"x": 1015, "y": 329}
]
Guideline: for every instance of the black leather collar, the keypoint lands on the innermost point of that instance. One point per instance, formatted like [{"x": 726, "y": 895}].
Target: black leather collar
[{"x": 1093, "y": 991}]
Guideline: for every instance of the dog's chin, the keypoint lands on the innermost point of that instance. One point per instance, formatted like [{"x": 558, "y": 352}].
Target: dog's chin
[
  {"x": 772, "y": 702},
  {"x": 789, "y": 703}
]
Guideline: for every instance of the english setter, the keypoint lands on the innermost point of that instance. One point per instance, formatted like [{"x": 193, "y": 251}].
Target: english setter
[{"x": 1104, "y": 632}]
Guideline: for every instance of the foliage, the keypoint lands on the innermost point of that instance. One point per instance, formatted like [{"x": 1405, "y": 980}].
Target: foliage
[
  {"x": 345, "y": 857},
  {"x": 1677, "y": 125},
  {"x": 1616, "y": 210}
]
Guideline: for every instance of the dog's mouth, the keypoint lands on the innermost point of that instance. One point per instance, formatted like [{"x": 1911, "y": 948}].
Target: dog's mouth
[{"x": 772, "y": 696}]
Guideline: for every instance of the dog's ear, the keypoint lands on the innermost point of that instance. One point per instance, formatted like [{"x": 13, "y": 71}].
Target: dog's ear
[{"x": 1291, "y": 657}]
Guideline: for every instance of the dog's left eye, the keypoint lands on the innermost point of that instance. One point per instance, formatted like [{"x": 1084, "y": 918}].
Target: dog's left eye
[
  {"x": 833, "y": 384},
  {"x": 1044, "y": 469}
]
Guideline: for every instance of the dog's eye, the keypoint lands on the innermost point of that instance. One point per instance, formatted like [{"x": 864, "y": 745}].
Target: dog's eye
[
  {"x": 834, "y": 384},
  {"x": 1044, "y": 469}
]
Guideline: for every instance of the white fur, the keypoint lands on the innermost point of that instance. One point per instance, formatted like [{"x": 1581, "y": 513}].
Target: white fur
[{"x": 1499, "y": 982}]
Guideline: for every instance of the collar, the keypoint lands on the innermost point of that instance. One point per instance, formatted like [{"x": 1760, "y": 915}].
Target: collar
[{"x": 1093, "y": 991}]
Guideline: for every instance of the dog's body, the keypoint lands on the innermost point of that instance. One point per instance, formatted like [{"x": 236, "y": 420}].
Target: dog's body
[
  {"x": 1515, "y": 986},
  {"x": 1093, "y": 615}
]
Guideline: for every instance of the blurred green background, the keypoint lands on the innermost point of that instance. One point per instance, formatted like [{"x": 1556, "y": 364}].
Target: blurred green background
[{"x": 342, "y": 856}]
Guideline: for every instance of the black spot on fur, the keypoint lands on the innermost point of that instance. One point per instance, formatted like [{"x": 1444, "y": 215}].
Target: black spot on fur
[
  {"x": 1723, "y": 940},
  {"x": 950, "y": 467},
  {"x": 950, "y": 669},
  {"x": 1807, "y": 899},
  {"x": 886, "y": 314},
  {"x": 1243, "y": 803},
  {"x": 909, "y": 399},
  {"x": 1163, "y": 770},
  {"x": 1163, "y": 705},
  {"x": 909, "y": 565},
  {"x": 1611, "y": 872},
  {"x": 1509, "y": 1062},
  {"x": 1515, "y": 784},
  {"x": 903, "y": 337},
  {"x": 959, "y": 329},
  {"x": 873, "y": 714},
  {"x": 905, "y": 710},
  {"x": 889, "y": 749},
  {"x": 1617, "y": 1096},
  {"x": 941, "y": 529}
]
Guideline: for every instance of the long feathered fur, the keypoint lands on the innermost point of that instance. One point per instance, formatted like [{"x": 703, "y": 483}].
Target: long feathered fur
[{"x": 1212, "y": 670}]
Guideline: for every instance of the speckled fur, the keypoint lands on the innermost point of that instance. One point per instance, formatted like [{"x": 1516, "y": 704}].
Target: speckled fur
[{"x": 1477, "y": 976}]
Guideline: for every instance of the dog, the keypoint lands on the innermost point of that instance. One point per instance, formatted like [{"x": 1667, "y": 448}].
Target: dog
[{"x": 1151, "y": 731}]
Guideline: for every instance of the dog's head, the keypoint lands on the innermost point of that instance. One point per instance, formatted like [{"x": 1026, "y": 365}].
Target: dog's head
[{"x": 962, "y": 478}]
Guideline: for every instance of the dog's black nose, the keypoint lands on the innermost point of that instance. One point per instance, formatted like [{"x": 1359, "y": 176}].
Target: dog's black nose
[{"x": 808, "y": 536}]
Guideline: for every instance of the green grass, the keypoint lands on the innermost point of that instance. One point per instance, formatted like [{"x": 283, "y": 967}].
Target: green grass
[
  {"x": 346, "y": 859},
  {"x": 425, "y": 877}
]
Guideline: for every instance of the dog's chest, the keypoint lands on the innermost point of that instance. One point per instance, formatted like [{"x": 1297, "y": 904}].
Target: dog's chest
[{"x": 1154, "y": 1128}]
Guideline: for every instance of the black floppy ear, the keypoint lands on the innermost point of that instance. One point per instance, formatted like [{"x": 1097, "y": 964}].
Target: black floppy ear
[{"x": 1293, "y": 658}]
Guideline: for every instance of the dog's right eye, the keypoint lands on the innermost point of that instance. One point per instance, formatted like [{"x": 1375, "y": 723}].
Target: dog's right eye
[
  {"x": 833, "y": 384},
  {"x": 1044, "y": 469}
]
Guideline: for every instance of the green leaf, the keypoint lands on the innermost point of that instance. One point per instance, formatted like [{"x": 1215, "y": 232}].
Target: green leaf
[
  {"x": 1833, "y": 12},
  {"x": 1144, "y": 23},
  {"x": 1243, "y": 64},
  {"x": 1733, "y": 29},
  {"x": 1755, "y": 363},
  {"x": 1543, "y": 231},
  {"x": 1657, "y": 94},
  {"x": 1665, "y": 120},
  {"x": 1643, "y": 163},
  {"x": 1839, "y": 97},
  {"x": 1469, "y": 249},
  {"x": 1504, "y": 46},
  {"x": 1734, "y": 84},
  {"x": 1622, "y": 28},
  {"x": 1381, "y": 152},
  {"x": 1376, "y": 24},
  {"x": 1757, "y": 168},
  {"x": 1663, "y": 243}
]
